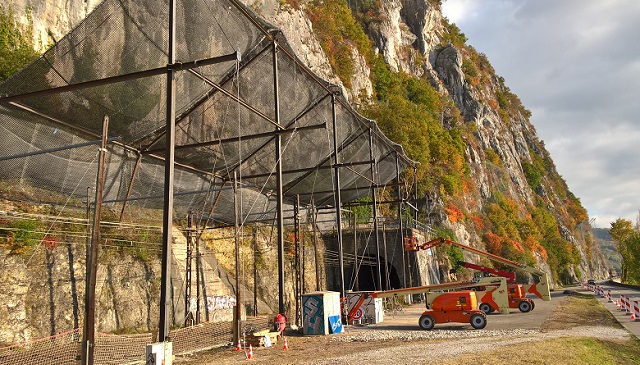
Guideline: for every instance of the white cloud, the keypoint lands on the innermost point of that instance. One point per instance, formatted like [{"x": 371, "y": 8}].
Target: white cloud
[{"x": 458, "y": 10}]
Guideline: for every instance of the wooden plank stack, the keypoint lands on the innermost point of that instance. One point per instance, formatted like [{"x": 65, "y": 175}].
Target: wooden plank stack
[{"x": 257, "y": 338}]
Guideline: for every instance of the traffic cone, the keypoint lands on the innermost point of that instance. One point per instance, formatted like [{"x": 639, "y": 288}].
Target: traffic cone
[
  {"x": 250, "y": 353},
  {"x": 633, "y": 316},
  {"x": 238, "y": 347},
  {"x": 286, "y": 345}
]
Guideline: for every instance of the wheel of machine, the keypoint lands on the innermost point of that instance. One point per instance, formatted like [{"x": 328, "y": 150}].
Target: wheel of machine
[
  {"x": 533, "y": 305},
  {"x": 478, "y": 321},
  {"x": 486, "y": 308},
  {"x": 525, "y": 306},
  {"x": 426, "y": 322}
]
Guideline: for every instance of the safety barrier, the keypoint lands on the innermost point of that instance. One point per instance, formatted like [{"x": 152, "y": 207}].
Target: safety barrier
[
  {"x": 624, "y": 304},
  {"x": 620, "y": 302},
  {"x": 635, "y": 312}
]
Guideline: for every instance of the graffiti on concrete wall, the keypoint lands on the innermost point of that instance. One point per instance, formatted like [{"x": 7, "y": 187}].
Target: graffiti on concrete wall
[
  {"x": 313, "y": 315},
  {"x": 220, "y": 302}
]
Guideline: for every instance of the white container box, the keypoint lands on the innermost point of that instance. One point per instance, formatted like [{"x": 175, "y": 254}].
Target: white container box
[
  {"x": 370, "y": 310},
  {"x": 321, "y": 313}
]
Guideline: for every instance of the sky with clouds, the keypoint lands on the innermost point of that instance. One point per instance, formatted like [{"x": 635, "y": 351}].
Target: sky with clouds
[{"x": 575, "y": 64}]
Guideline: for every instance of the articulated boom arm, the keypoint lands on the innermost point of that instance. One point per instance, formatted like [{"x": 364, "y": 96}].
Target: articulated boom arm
[
  {"x": 497, "y": 296},
  {"x": 510, "y": 275},
  {"x": 541, "y": 289},
  {"x": 439, "y": 287}
]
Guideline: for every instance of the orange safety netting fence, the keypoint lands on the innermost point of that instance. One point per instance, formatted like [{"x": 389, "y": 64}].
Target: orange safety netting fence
[{"x": 66, "y": 348}]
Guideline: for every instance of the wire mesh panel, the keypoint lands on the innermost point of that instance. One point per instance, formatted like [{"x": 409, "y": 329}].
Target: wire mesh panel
[
  {"x": 238, "y": 86},
  {"x": 222, "y": 108}
]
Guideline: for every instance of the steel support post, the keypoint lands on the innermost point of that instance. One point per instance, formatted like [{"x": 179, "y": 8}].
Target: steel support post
[
  {"x": 315, "y": 244},
  {"x": 355, "y": 252},
  {"x": 302, "y": 255},
  {"x": 198, "y": 278},
  {"x": 88, "y": 240},
  {"x": 92, "y": 257},
  {"x": 297, "y": 266},
  {"x": 415, "y": 218},
  {"x": 187, "y": 277},
  {"x": 337, "y": 198},
  {"x": 279, "y": 193},
  {"x": 400, "y": 226},
  {"x": 255, "y": 272},
  {"x": 167, "y": 216},
  {"x": 236, "y": 234},
  {"x": 387, "y": 274},
  {"x": 374, "y": 177},
  {"x": 415, "y": 193}
]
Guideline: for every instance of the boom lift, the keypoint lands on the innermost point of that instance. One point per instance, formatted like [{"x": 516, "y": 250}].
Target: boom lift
[
  {"x": 456, "y": 306},
  {"x": 540, "y": 289},
  {"x": 516, "y": 294}
]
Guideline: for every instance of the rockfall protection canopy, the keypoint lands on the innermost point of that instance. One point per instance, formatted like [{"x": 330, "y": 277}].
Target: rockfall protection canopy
[{"x": 226, "y": 116}]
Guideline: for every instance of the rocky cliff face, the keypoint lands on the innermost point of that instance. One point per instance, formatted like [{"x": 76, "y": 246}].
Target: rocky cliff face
[
  {"x": 43, "y": 287},
  {"x": 409, "y": 35},
  {"x": 52, "y": 19},
  {"x": 44, "y": 293}
]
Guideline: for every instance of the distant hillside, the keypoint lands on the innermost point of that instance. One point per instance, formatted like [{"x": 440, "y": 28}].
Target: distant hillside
[
  {"x": 608, "y": 248},
  {"x": 602, "y": 234}
]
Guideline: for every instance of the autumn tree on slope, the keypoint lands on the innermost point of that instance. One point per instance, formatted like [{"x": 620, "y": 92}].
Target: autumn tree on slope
[{"x": 627, "y": 238}]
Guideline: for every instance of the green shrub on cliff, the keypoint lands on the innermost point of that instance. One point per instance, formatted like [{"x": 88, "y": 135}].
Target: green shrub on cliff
[{"x": 16, "y": 43}]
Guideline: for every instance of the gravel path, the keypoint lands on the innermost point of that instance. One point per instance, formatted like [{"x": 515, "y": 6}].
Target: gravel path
[{"x": 455, "y": 342}]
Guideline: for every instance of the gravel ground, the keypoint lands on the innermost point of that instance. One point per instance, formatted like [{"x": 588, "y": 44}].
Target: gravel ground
[
  {"x": 455, "y": 343},
  {"x": 399, "y": 341}
]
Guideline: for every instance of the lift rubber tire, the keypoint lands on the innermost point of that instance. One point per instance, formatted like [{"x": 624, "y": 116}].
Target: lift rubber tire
[
  {"x": 525, "y": 306},
  {"x": 486, "y": 308},
  {"x": 478, "y": 321},
  {"x": 533, "y": 305},
  {"x": 426, "y": 322}
]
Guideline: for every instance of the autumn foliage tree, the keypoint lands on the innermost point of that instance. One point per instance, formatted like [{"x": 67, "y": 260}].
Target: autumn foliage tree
[{"x": 628, "y": 239}]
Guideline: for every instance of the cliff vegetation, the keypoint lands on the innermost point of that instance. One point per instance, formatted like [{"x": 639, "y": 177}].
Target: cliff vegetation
[{"x": 482, "y": 170}]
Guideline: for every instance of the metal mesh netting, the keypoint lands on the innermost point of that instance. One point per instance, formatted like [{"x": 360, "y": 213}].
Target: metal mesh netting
[
  {"x": 225, "y": 125},
  {"x": 225, "y": 115}
]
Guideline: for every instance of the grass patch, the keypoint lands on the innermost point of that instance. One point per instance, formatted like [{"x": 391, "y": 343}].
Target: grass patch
[
  {"x": 575, "y": 310},
  {"x": 561, "y": 351},
  {"x": 580, "y": 310}
]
